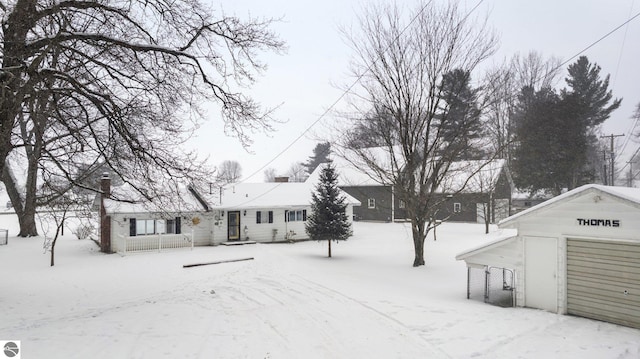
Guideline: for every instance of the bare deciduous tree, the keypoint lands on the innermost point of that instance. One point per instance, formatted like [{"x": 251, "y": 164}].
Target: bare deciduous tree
[
  {"x": 532, "y": 70},
  {"x": 229, "y": 171},
  {"x": 120, "y": 83},
  {"x": 636, "y": 118},
  {"x": 270, "y": 174},
  {"x": 401, "y": 64},
  {"x": 297, "y": 172},
  {"x": 502, "y": 83}
]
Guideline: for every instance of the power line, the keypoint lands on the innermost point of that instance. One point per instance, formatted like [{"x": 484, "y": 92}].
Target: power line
[
  {"x": 615, "y": 77},
  {"x": 596, "y": 42},
  {"x": 355, "y": 82},
  {"x": 624, "y": 40},
  {"x": 359, "y": 78}
]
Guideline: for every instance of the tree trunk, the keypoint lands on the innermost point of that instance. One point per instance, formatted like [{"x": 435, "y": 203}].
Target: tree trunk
[
  {"x": 487, "y": 217},
  {"x": 53, "y": 244},
  {"x": 418, "y": 245},
  {"x": 419, "y": 235},
  {"x": 28, "y": 227},
  {"x": 329, "y": 241},
  {"x": 26, "y": 211},
  {"x": 16, "y": 27},
  {"x": 53, "y": 247}
]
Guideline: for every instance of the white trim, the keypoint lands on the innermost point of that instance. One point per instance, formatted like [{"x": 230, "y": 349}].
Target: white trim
[{"x": 369, "y": 203}]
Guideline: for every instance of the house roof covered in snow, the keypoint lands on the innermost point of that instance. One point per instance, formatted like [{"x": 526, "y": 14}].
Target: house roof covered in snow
[
  {"x": 264, "y": 195},
  {"x": 472, "y": 176},
  {"x": 268, "y": 195},
  {"x": 127, "y": 200},
  {"x": 232, "y": 196},
  {"x": 463, "y": 176},
  {"x": 628, "y": 194}
]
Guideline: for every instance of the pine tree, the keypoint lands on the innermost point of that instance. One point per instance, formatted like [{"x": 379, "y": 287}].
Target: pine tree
[
  {"x": 328, "y": 220},
  {"x": 320, "y": 155},
  {"x": 460, "y": 123}
]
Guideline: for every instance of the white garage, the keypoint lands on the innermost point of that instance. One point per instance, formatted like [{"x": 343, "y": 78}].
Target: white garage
[{"x": 578, "y": 253}]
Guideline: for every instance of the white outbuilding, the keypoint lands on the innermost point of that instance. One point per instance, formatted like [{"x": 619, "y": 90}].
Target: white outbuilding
[{"x": 578, "y": 254}]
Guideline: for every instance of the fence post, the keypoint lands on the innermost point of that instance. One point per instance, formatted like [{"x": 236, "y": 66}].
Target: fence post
[
  {"x": 159, "y": 243},
  {"x": 468, "y": 282},
  {"x": 487, "y": 284}
]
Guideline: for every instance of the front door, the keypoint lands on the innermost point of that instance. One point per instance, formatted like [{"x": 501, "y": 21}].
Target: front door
[{"x": 233, "y": 226}]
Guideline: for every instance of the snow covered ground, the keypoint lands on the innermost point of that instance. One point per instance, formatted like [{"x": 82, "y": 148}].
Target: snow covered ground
[{"x": 289, "y": 302}]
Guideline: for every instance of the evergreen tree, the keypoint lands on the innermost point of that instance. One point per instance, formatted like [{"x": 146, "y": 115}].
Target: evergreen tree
[
  {"x": 557, "y": 134},
  {"x": 328, "y": 220},
  {"x": 539, "y": 156},
  {"x": 588, "y": 97},
  {"x": 320, "y": 155},
  {"x": 460, "y": 119}
]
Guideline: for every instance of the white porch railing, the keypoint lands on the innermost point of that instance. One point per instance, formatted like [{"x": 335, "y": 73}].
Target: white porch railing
[{"x": 155, "y": 242}]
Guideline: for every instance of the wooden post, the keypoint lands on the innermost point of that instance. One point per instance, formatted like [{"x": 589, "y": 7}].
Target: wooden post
[{"x": 216, "y": 262}]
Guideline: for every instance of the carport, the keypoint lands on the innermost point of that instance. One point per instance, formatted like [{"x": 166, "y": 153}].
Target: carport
[{"x": 578, "y": 254}]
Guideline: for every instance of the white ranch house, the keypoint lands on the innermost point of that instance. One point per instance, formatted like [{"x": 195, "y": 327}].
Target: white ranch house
[{"x": 233, "y": 214}]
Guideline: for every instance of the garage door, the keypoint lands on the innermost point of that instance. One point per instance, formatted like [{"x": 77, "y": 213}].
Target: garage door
[{"x": 603, "y": 281}]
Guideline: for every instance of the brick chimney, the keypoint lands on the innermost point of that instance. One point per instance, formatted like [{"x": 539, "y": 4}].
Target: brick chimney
[{"x": 105, "y": 221}]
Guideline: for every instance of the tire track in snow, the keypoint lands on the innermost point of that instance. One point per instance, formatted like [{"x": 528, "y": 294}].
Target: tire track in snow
[{"x": 295, "y": 309}]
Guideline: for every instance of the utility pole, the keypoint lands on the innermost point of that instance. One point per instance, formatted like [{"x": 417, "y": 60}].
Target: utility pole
[
  {"x": 630, "y": 183},
  {"x": 604, "y": 164},
  {"x": 611, "y": 169}
]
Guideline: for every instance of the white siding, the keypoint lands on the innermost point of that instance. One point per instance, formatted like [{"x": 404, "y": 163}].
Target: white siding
[
  {"x": 562, "y": 218},
  {"x": 262, "y": 232},
  {"x": 212, "y": 226},
  {"x": 202, "y": 232},
  {"x": 119, "y": 227}
]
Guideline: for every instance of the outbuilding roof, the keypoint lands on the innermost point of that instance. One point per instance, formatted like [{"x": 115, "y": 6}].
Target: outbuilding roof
[
  {"x": 625, "y": 193},
  {"x": 502, "y": 237}
]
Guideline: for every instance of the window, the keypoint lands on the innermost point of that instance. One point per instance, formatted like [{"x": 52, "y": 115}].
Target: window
[
  {"x": 402, "y": 205},
  {"x": 457, "y": 207},
  {"x": 173, "y": 225},
  {"x": 260, "y": 217},
  {"x": 142, "y": 227},
  {"x": 371, "y": 203},
  {"x": 296, "y": 216},
  {"x": 145, "y": 226}
]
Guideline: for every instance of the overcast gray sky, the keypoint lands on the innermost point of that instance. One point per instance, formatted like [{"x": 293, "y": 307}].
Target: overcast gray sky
[{"x": 302, "y": 80}]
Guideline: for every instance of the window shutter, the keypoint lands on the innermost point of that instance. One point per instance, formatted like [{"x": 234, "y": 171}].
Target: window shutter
[
  {"x": 178, "y": 225},
  {"x": 132, "y": 227},
  {"x": 270, "y": 216},
  {"x": 304, "y": 214},
  {"x": 286, "y": 216},
  {"x": 258, "y": 217}
]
